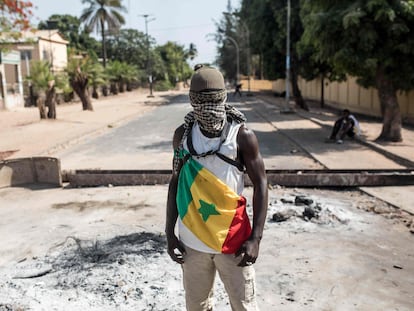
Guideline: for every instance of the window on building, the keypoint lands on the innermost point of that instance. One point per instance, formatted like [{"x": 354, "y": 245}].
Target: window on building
[{"x": 25, "y": 53}]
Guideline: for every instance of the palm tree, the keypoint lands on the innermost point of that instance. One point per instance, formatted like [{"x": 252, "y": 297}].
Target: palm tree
[
  {"x": 131, "y": 76},
  {"x": 114, "y": 72},
  {"x": 43, "y": 82},
  {"x": 79, "y": 71},
  {"x": 97, "y": 78},
  {"x": 101, "y": 12}
]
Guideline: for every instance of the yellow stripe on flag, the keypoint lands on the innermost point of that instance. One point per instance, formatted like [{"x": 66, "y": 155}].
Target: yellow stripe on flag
[{"x": 212, "y": 209}]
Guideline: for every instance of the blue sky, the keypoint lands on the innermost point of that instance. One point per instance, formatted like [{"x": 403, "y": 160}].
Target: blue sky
[{"x": 181, "y": 21}]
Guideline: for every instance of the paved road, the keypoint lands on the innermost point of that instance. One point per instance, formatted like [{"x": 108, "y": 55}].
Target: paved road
[
  {"x": 145, "y": 143},
  {"x": 287, "y": 141}
]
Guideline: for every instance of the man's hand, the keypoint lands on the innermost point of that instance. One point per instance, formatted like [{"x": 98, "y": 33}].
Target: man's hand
[
  {"x": 175, "y": 249},
  {"x": 249, "y": 251}
]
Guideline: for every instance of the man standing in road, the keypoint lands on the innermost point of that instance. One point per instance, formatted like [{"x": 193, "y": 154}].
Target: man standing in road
[{"x": 211, "y": 151}]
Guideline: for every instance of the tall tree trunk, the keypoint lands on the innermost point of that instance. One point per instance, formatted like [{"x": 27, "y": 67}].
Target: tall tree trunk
[
  {"x": 391, "y": 124},
  {"x": 295, "y": 88},
  {"x": 105, "y": 91},
  {"x": 114, "y": 88},
  {"x": 322, "y": 102},
  {"x": 50, "y": 102},
  {"x": 40, "y": 102},
  {"x": 261, "y": 66},
  {"x": 80, "y": 86},
  {"x": 121, "y": 87},
  {"x": 95, "y": 93},
  {"x": 85, "y": 99}
]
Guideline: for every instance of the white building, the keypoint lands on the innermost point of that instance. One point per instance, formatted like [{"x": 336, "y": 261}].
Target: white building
[{"x": 47, "y": 45}]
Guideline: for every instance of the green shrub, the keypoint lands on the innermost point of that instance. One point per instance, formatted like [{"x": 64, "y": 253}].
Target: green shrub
[{"x": 163, "y": 85}]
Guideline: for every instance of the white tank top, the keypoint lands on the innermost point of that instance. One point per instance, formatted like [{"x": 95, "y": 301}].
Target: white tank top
[{"x": 226, "y": 172}]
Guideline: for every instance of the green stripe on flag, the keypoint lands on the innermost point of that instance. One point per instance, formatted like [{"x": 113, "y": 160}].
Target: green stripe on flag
[{"x": 188, "y": 172}]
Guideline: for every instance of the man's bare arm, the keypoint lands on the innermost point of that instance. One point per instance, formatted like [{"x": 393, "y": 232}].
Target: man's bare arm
[
  {"x": 175, "y": 248},
  {"x": 253, "y": 161}
]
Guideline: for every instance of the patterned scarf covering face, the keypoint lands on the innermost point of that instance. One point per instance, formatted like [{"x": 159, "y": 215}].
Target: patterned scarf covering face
[
  {"x": 213, "y": 99},
  {"x": 209, "y": 110}
]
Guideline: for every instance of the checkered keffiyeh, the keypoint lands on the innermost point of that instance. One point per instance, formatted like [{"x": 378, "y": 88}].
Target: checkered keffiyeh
[{"x": 211, "y": 112}]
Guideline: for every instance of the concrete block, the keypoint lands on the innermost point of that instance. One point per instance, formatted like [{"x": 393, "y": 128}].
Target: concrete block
[
  {"x": 93, "y": 178},
  {"x": 22, "y": 171}
]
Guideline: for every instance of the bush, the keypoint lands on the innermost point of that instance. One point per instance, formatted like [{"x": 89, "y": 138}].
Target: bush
[
  {"x": 163, "y": 85},
  {"x": 67, "y": 94}
]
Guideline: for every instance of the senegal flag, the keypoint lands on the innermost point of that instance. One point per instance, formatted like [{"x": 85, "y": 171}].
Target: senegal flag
[{"x": 212, "y": 211}]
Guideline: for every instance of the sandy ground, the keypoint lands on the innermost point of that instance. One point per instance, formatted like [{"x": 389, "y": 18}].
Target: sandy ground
[
  {"x": 23, "y": 134},
  {"x": 104, "y": 249}
]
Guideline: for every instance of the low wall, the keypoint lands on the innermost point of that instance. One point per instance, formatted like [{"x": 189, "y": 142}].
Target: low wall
[
  {"x": 347, "y": 94},
  {"x": 256, "y": 85},
  {"x": 17, "y": 172}
]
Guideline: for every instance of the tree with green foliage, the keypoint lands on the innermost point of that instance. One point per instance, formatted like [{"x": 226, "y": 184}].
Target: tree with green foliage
[
  {"x": 228, "y": 48},
  {"x": 14, "y": 17},
  {"x": 44, "y": 84},
  {"x": 128, "y": 46},
  {"x": 114, "y": 71},
  {"x": 70, "y": 28},
  {"x": 131, "y": 76},
  {"x": 315, "y": 67},
  {"x": 296, "y": 30},
  {"x": 272, "y": 29},
  {"x": 120, "y": 74},
  {"x": 101, "y": 13},
  {"x": 371, "y": 40},
  {"x": 174, "y": 57},
  {"x": 235, "y": 31},
  {"x": 259, "y": 17},
  {"x": 97, "y": 78},
  {"x": 159, "y": 72}
]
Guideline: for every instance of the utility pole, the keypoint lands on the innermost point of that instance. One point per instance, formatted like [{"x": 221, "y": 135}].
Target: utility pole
[
  {"x": 51, "y": 24},
  {"x": 287, "y": 79},
  {"x": 149, "y": 64}
]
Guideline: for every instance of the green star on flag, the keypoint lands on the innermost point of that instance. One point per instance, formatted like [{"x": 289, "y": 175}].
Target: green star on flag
[
  {"x": 206, "y": 210},
  {"x": 201, "y": 194}
]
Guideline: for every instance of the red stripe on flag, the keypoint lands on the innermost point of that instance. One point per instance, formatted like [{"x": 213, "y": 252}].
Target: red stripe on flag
[{"x": 239, "y": 230}]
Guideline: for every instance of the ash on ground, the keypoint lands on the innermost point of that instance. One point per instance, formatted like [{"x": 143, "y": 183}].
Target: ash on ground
[
  {"x": 309, "y": 209},
  {"x": 123, "y": 272},
  {"x": 312, "y": 206},
  {"x": 304, "y": 231}
]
